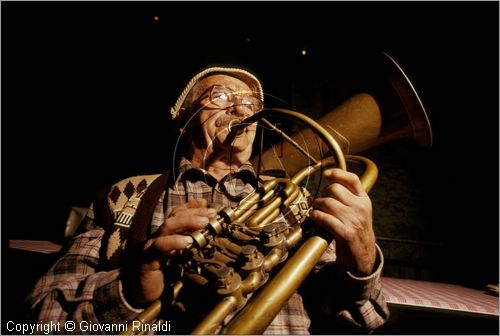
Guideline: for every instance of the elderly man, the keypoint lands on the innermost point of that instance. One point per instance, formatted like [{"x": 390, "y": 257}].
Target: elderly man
[{"x": 116, "y": 268}]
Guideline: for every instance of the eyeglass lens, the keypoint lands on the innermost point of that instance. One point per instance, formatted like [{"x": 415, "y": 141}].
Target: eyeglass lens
[{"x": 224, "y": 97}]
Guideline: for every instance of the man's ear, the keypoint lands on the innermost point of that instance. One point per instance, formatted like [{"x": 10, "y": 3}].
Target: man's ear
[{"x": 181, "y": 119}]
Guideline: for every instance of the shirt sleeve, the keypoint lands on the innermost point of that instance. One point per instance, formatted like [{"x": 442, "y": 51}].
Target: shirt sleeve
[
  {"x": 73, "y": 289},
  {"x": 354, "y": 302}
]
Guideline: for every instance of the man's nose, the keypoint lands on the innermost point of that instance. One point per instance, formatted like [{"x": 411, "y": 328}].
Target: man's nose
[{"x": 238, "y": 109}]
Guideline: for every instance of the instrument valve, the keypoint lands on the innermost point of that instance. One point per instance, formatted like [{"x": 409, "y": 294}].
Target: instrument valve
[
  {"x": 250, "y": 258},
  {"x": 215, "y": 226},
  {"x": 274, "y": 234},
  {"x": 227, "y": 214},
  {"x": 228, "y": 280},
  {"x": 200, "y": 238}
]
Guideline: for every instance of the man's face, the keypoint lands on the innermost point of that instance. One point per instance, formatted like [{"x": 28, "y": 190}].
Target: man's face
[{"x": 211, "y": 114}]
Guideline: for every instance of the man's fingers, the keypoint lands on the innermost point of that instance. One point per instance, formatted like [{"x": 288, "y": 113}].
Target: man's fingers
[
  {"x": 198, "y": 207},
  {"x": 340, "y": 192},
  {"x": 186, "y": 218},
  {"x": 169, "y": 243},
  {"x": 347, "y": 179},
  {"x": 204, "y": 212},
  {"x": 333, "y": 208},
  {"x": 156, "y": 249},
  {"x": 193, "y": 204},
  {"x": 197, "y": 203},
  {"x": 181, "y": 223},
  {"x": 329, "y": 222}
]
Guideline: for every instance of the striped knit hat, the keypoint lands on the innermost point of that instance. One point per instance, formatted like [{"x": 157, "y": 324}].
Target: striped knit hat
[{"x": 241, "y": 74}]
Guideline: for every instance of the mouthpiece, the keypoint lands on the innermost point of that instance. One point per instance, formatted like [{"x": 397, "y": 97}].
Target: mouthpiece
[{"x": 236, "y": 125}]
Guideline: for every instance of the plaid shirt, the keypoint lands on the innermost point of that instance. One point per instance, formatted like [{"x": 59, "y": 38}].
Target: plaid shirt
[{"x": 73, "y": 289}]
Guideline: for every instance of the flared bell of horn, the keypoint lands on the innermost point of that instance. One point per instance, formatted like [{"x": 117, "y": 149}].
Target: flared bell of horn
[{"x": 392, "y": 110}]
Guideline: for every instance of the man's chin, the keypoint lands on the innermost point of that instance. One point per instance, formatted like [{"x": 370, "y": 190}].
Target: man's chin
[
  {"x": 235, "y": 145},
  {"x": 232, "y": 141}
]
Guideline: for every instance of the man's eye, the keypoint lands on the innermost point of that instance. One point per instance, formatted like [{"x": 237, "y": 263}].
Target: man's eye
[
  {"x": 246, "y": 101},
  {"x": 223, "y": 96}
]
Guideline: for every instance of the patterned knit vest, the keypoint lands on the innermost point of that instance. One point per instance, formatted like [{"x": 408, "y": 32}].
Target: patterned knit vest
[{"x": 127, "y": 217}]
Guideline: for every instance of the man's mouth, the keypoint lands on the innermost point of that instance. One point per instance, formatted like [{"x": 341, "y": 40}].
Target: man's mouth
[
  {"x": 232, "y": 125},
  {"x": 238, "y": 131}
]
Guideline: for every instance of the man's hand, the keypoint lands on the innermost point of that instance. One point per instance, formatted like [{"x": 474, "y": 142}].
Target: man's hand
[
  {"x": 345, "y": 210},
  {"x": 144, "y": 282}
]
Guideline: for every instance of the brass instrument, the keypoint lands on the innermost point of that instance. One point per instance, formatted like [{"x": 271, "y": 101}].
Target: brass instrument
[
  {"x": 239, "y": 249},
  {"x": 365, "y": 120}
]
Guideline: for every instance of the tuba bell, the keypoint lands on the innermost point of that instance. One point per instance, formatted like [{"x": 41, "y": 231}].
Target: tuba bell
[
  {"x": 390, "y": 111},
  {"x": 241, "y": 277}
]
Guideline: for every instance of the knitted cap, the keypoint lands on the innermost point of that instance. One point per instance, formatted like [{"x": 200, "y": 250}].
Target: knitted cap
[{"x": 241, "y": 74}]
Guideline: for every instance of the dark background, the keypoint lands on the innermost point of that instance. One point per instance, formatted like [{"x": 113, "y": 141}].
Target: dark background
[{"x": 86, "y": 91}]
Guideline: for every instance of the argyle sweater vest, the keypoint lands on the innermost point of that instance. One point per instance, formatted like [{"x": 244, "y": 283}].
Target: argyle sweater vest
[
  {"x": 127, "y": 209},
  {"x": 126, "y": 214}
]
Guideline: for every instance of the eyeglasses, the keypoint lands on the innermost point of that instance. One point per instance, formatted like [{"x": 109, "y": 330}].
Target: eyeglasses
[{"x": 224, "y": 98}]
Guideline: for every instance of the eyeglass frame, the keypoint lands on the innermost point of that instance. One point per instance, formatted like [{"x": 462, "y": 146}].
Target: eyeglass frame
[{"x": 255, "y": 102}]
